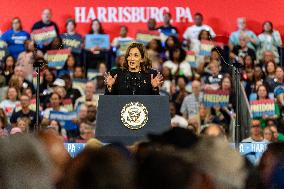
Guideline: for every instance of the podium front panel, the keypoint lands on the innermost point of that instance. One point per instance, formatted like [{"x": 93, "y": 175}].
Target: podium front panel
[{"x": 127, "y": 119}]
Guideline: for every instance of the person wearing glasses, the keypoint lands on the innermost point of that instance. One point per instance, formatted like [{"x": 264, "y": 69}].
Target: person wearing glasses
[{"x": 255, "y": 133}]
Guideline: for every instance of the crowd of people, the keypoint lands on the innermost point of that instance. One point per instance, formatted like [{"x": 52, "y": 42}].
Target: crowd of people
[
  {"x": 175, "y": 159},
  {"x": 185, "y": 80},
  {"x": 193, "y": 154}
]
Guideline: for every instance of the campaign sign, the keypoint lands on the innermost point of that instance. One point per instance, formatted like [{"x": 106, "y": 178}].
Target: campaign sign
[
  {"x": 260, "y": 108},
  {"x": 97, "y": 40},
  {"x": 191, "y": 59},
  {"x": 213, "y": 98},
  {"x": 75, "y": 43},
  {"x": 246, "y": 149},
  {"x": 65, "y": 119},
  {"x": 74, "y": 148},
  {"x": 44, "y": 35},
  {"x": 146, "y": 36},
  {"x": 57, "y": 58},
  {"x": 122, "y": 46},
  {"x": 206, "y": 47}
]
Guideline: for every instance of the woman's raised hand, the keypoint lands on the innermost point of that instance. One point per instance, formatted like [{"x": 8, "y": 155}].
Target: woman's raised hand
[
  {"x": 109, "y": 80},
  {"x": 156, "y": 81}
]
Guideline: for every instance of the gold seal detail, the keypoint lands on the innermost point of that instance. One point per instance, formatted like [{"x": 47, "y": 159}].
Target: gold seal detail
[{"x": 134, "y": 115}]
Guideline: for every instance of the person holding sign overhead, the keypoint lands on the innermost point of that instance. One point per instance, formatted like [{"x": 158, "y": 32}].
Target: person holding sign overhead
[{"x": 136, "y": 76}]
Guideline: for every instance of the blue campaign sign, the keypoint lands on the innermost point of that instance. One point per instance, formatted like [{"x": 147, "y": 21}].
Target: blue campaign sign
[
  {"x": 97, "y": 40},
  {"x": 252, "y": 151},
  {"x": 74, "y": 148},
  {"x": 65, "y": 119}
]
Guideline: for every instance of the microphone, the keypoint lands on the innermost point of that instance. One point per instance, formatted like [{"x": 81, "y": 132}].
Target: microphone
[{"x": 133, "y": 82}]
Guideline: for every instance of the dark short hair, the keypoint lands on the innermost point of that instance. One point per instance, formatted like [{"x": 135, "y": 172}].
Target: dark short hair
[
  {"x": 198, "y": 14},
  {"x": 70, "y": 20}
]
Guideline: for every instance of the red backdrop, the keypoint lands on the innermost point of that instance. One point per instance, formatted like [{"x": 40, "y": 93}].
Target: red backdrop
[{"x": 220, "y": 14}]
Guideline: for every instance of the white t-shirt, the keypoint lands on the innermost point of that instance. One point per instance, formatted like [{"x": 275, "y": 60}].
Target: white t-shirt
[
  {"x": 184, "y": 67},
  {"x": 192, "y": 32},
  {"x": 8, "y": 106}
]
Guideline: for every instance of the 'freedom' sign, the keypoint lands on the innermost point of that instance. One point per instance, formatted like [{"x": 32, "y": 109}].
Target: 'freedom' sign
[
  {"x": 260, "y": 108},
  {"x": 44, "y": 35},
  {"x": 213, "y": 98},
  {"x": 57, "y": 58}
]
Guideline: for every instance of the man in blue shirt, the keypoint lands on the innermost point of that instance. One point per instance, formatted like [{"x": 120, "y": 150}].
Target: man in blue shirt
[
  {"x": 244, "y": 32},
  {"x": 15, "y": 38}
]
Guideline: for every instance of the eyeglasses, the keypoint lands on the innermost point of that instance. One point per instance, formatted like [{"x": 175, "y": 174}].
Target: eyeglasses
[{"x": 255, "y": 126}]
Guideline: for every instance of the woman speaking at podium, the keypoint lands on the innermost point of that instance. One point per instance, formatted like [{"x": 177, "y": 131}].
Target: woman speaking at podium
[{"x": 136, "y": 76}]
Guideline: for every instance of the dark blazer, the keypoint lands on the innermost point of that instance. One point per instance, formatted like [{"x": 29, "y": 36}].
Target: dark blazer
[{"x": 130, "y": 83}]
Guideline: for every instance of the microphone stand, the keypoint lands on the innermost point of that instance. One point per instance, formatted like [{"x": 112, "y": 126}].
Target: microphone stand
[
  {"x": 38, "y": 64},
  {"x": 236, "y": 69}
]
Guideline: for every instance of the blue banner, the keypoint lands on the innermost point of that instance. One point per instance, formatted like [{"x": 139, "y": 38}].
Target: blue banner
[
  {"x": 97, "y": 40},
  {"x": 252, "y": 151},
  {"x": 74, "y": 148},
  {"x": 65, "y": 119}
]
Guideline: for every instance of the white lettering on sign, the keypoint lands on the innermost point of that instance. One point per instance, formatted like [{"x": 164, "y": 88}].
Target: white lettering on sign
[
  {"x": 102, "y": 14},
  {"x": 80, "y": 14},
  {"x": 71, "y": 148},
  {"x": 130, "y": 14}
]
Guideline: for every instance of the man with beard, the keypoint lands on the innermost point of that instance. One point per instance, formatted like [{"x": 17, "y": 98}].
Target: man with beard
[{"x": 91, "y": 115}]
